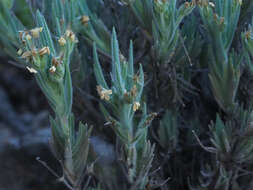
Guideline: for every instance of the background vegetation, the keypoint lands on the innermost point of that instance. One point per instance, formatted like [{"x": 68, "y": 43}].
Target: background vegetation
[{"x": 160, "y": 89}]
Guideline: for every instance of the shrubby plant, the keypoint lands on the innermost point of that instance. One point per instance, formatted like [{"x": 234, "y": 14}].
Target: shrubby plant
[{"x": 177, "y": 99}]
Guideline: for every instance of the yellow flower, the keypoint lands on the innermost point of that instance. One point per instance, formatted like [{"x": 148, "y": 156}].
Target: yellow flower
[
  {"x": 73, "y": 38},
  {"x": 104, "y": 93},
  {"x": 71, "y": 35},
  {"x": 36, "y": 31},
  {"x": 62, "y": 41},
  {"x": 136, "y": 106}
]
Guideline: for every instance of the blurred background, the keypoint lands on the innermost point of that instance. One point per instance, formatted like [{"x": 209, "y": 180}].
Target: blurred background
[{"x": 24, "y": 132}]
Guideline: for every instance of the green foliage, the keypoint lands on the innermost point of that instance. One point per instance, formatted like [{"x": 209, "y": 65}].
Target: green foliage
[
  {"x": 168, "y": 131},
  {"x": 232, "y": 154},
  {"x": 247, "y": 38},
  {"x": 124, "y": 99},
  {"x": 94, "y": 30},
  {"x": 160, "y": 22},
  {"x": 24, "y": 13},
  {"x": 225, "y": 80},
  {"x": 165, "y": 27},
  {"x": 8, "y": 3},
  {"x": 9, "y": 40},
  {"x": 220, "y": 23},
  {"x": 185, "y": 68}
]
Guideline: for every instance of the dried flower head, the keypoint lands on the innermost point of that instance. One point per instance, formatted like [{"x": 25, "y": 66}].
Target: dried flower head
[
  {"x": 69, "y": 34},
  {"x": 31, "y": 70},
  {"x": 55, "y": 62},
  {"x": 36, "y": 32},
  {"x": 136, "y": 106},
  {"x": 62, "y": 41},
  {"x": 52, "y": 69},
  {"x": 104, "y": 93},
  {"x": 85, "y": 19},
  {"x": 44, "y": 50}
]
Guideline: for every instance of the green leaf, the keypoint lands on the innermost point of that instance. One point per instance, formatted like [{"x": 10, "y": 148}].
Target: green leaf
[
  {"x": 45, "y": 36},
  {"x": 98, "y": 70}
]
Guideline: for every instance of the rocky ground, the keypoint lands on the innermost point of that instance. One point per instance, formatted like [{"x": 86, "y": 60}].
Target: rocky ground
[{"x": 24, "y": 133}]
